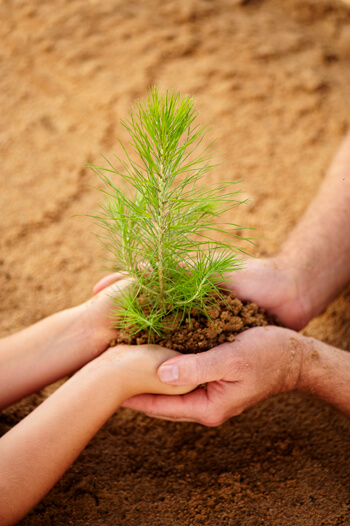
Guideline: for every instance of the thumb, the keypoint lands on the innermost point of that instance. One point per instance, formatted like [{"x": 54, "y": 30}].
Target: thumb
[
  {"x": 194, "y": 369},
  {"x": 108, "y": 280}
]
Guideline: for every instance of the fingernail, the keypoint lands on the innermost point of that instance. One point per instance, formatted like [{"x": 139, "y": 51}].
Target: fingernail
[{"x": 168, "y": 373}]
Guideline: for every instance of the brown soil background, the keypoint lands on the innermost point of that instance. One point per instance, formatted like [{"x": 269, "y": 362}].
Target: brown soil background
[{"x": 272, "y": 77}]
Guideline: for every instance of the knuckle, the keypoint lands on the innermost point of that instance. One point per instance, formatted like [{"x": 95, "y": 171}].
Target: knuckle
[
  {"x": 215, "y": 422},
  {"x": 193, "y": 369},
  {"x": 237, "y": 411},
  {"x": 214, "y": 419},
  {"x": 198, "y": 367}
]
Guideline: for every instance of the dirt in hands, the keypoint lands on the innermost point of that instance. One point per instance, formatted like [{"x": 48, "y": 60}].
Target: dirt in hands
[{"x": 228, "y": 316}]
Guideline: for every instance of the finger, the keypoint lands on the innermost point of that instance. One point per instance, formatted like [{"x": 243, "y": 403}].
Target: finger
[
  {"x": 196, "y": 368},
  {"x": 112, "y": 291},
  {"x": 243, "y": 281},
  {"x": 191, "y": 407},
  {"x": 108, "y": 280}
]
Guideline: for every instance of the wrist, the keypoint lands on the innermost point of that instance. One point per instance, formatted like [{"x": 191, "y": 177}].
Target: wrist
[
  {"x": 302, "y": 379},
  {"x": 299, "y": 279},
  {"x": 95, "y": 327},
  {"x": 317, "y": 359},
  {"x": 123, "y": 369},
  {"x": 291, "y": 349},
  {"x": 132, "y": 369},
  {"x": 316, "y": 364},
  {"x": 107, "y": 379},
  {"x": 318, "y": 273},
  {"x": 326, "y": 373}
]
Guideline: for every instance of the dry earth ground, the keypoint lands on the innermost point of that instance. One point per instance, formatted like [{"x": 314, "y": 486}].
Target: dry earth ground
[{"x": 272, "y": 77}]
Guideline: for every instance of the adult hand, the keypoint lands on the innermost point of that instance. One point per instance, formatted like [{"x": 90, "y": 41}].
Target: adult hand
[
  {"x": 262, "y": 362},
  {"x": 276, "y": 286}
]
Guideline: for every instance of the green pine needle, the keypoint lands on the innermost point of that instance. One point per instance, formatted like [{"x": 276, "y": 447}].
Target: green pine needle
[{"x": 160, "y": 232}]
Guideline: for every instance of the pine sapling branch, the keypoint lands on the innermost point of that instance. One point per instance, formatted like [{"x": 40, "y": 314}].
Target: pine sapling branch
[{"x": 159, "y": 233}]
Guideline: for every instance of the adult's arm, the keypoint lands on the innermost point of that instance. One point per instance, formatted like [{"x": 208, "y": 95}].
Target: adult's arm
[{"x": 313, "y": 264}]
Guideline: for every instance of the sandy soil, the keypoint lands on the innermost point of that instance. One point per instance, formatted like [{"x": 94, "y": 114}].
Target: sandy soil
[{"x": 272, "y": 77}]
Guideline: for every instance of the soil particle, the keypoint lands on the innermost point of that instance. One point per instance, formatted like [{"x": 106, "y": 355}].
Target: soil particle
[{"x": 228, "y": 317}]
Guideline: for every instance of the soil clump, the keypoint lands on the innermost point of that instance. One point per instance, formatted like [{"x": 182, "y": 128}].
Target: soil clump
[{"x": 228, "y": 316}]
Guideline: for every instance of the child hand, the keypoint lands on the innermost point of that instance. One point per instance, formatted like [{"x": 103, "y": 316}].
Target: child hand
[
  {"x": 98, "y": 310},
  {"x": 134, "y": 369}
]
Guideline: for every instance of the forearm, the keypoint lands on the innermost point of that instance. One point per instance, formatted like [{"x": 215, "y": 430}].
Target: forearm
[
  {"x": 319, "y": 246},
  {"x": 325, "y": 372},
  {"x": 48, "y": 350},
  {"x": 48, "y": 440}
]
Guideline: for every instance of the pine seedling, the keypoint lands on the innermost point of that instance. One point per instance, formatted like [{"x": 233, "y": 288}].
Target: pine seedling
[{"x": 159, "y": 232}]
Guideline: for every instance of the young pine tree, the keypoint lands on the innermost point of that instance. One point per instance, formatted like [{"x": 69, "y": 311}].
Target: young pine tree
[{"x": 159, "y": 231}]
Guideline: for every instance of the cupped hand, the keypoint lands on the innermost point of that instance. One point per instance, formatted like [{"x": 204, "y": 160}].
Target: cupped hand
[
  {"x": 275, "y": 286},
  {"x": 98, "y": 311},
  {"x": 135, "y": 368},
  {"x": 262, "y": 362}
]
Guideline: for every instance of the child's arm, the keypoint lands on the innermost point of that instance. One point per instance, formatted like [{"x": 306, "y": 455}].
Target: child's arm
[
  {"x": 48, "y": 440},
  {"x": 55, "y": 347}
]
